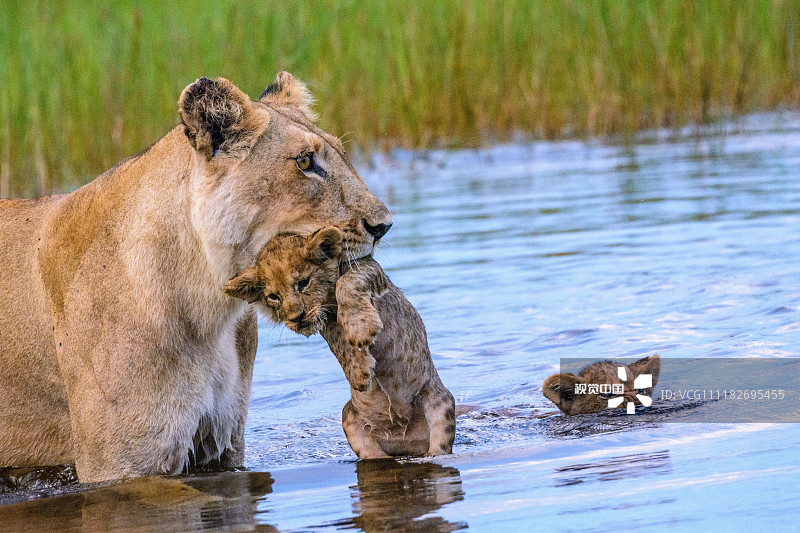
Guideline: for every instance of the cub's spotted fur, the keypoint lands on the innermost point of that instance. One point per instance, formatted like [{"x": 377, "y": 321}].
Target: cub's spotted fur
[{"x": 398, "y": 404}]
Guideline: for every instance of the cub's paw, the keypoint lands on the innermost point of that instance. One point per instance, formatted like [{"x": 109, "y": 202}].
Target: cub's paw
[
  {"x": 361, "y": 381},
  {"x": 360, "y": 331},
  {"x": 360, "y": 375},
  {"x": 439, "y": 450}
]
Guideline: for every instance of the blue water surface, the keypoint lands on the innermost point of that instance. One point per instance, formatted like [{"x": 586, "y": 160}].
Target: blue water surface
[{"x": 684, "y": 245}]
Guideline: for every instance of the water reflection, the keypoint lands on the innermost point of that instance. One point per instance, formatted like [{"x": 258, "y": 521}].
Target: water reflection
[
  {"x": 388, "y": 495},
  {"x": 392, "y": 496},
  {"x": 615, "y": 468},
  {"x": 226, "y": 500}
]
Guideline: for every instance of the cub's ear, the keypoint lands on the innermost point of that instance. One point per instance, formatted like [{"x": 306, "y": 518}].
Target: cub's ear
[
  {"x": 560, "y": 389},
  {"x": 245, "y": 286},
  {"x": 648, "y": 365},
  {"x": 219, "y": 118},
  {"x": 324, "y": 244},
  {"x": 289, "y": 91}
]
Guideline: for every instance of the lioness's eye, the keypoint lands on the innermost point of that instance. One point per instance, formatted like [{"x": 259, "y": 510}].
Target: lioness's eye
[
  {"x": 305, "y": 161},
  {"x": 273, "y": 298},
  {"x": 303, "y": 284}
]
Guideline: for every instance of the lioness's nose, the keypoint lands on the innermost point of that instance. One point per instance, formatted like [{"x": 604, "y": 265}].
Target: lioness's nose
[{"x": 377, "y": 231}]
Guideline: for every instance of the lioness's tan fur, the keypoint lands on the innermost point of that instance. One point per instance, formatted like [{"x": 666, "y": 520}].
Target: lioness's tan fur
[{"x": 119, "y": 350}]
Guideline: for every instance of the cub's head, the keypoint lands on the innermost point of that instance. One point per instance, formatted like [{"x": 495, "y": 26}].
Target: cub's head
[
  {"x": 263, "y": 168},
  {"x": 561, "y": 388},
  {"x": 293, "y": 279}
]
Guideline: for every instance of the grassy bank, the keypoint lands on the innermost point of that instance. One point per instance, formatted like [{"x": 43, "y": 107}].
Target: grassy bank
[{"x": 87, "y": 83}]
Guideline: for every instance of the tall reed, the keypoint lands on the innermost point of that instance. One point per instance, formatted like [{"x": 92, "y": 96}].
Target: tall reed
[{"x": 83, "y": 84}]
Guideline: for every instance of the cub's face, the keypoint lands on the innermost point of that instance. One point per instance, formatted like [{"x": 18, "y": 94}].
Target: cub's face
[
  {"x": 561, "y": 388},
  {"x": 293, "y": 279}
]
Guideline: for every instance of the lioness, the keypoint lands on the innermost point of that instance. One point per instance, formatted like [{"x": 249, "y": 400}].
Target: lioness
[
  {"x": 560, "y": 388},
  {"x": 398, "y": 404},
  {"x": 119, "y": 351}
]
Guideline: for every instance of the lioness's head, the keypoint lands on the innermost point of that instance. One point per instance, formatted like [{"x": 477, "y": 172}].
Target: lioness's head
[
  {"x": 263, "y": 168},
  {"x": 561, "y": 388},
  {"x": 293, "y": 279}
]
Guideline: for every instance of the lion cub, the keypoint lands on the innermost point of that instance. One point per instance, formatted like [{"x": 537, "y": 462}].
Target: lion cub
[
  {"x": 560, "y": 388},
  {"x": 398, "y": 404}
]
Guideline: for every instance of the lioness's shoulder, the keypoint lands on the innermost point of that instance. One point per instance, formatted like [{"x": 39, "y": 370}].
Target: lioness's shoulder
[{"x": 25, "y": 203}]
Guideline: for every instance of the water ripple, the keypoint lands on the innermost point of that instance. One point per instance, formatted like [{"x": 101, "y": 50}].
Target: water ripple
[{"x": 520, "y": 255}]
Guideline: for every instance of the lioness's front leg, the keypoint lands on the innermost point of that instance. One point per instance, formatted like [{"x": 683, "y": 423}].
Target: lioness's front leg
[
  {"x": 112, "y": 426},
  {"x": 355, "y": 292},
  {"x": 246, "y": 347},
  {"x": 135, "y": 404}
]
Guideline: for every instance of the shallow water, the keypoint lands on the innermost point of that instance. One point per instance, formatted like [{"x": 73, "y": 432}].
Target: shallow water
[{"x": 518, "y": 256}]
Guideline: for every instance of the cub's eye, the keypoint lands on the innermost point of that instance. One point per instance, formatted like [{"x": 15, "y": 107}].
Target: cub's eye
[
  {"x": 303, "y": 284},
  {"x": 273, "y": 298},
  {"x": 305, "y": 161}
]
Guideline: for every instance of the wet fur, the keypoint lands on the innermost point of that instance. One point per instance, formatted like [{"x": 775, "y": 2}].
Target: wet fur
[
  {"x": 120, "y": 353},
  {"x": 560, "y": 388},
  {"x": 398, "y": 405}
]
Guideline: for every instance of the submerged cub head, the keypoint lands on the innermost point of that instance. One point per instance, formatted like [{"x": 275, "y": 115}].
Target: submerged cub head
[
  {"x": 561, "y": 389},
  {"x": 293, "y": 278}
]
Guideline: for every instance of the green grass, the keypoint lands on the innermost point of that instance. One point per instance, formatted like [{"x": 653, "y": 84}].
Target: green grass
[{"x": 85, "y": 84}]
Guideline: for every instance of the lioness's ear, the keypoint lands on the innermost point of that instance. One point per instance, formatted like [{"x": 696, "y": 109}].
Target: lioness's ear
[
  {"x": 219, "y": 117},
  {"x": 289, "y": 91},
  {"x": 245, "y": 286},
  {"x": 324, "y": 244},
  {"x": 648, "y": 365}
]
